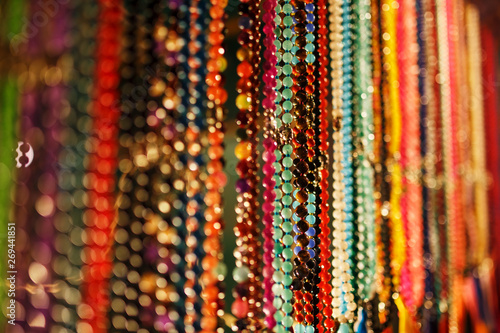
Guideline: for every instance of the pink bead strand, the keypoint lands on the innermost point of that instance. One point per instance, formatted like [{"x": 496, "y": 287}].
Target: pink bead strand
[{"x": 269, "y": 77}]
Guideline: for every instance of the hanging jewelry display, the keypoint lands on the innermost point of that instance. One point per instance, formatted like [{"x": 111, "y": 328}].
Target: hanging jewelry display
[{"x": 117, "y": 219}]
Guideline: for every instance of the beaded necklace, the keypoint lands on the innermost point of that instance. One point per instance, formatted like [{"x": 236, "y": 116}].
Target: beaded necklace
[
  {"x": 247, "y": 271},
  {"x": 476, "y": 111},
  {"x": 462, "y": 136},
  {"x": 411, "y": 200},
  {"x": 490, "y": 47},
  {"x": 326, "y": 323},
  {"x": 269, "y": 78},
  {"x": 147, "y": 239},
  {"x": 341, "y": 267},
  {"x": 430, "y": 160},
  {"x": 378, "y": 141},
  {"x": 102, "y": 166},
  {"x": 383, "y": 301},
  {"x": 72, "y": 158},
  {"x": 427, "y": 115},
  {"x": 124, "y": 225},
  {"x": 442, "y": 23},
  {"x": 303, "y": 145},
  {"x": 363, "y": 142},
  {"x": 347, "y": 139},
  {"x": 213, "y": 276},
  {"x": 194, "y": 164},
  {"x": 389, "y": 14},
  {"x": 282, "y": 212},
  {"x": 316, "y": 161}
]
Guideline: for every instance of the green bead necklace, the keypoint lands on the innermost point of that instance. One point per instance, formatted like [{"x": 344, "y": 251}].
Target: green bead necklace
[
  {"x": 283, "y": 212},
  {"x": 364, "y": 204}
]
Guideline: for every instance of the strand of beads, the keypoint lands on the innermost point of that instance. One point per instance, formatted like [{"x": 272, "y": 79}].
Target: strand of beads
[
  {"x": 477, "y": 131},
  {"x": 69, "y": 223},
  {"x": 445, "y": 122},
  {"x": 426, "y": 122},
  {"x": 363, "y": 142},
  {"x": 269, "y": 78},
  {"x": 347, "y": 148},
  {"x": 389, "y": 15},
  {"x": 383, "y": 302},
  {"x": 303, "y": 104},
  {"x": 314, "y": 162},
  {"x": 213, "y": 308},
  {"x": 186, "y": 167},
  {"x": 411, "y": 200},
  {"x": 144, "y": 234},
  {"x": 462, "y": 143},
  {"x": 341, "y": 277},
  {"x": 194, "y": 164},
  {"x": 430, "y": 159},
  {"x": 325, "y": 322},
  {"x": 168, "y": 298},
  {"x": 127, "y": 245},
  {"x": 282, "y": 212},
  {"x": 102, "y": 167},
  {"x": 372, "y": 321},
  {"x": 247, "y": 271}
]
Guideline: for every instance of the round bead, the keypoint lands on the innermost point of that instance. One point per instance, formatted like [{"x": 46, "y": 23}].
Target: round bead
[{"x": 240, "y": 274}]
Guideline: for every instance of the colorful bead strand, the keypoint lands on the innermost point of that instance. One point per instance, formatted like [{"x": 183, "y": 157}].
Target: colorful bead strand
[
  {"x": 269, "y": 78},
  {"x": 283, "y": 212},
  {"x": 411, "y": 201},
  {"x": 212, "y": 278},
  {"x": 102, "y": 167},
  {"x": 341, "y": 278},
  {"x": 247, "y": 304},
  {"x": 326, "y": 323},
  {"x": 364, "y": 204}
]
